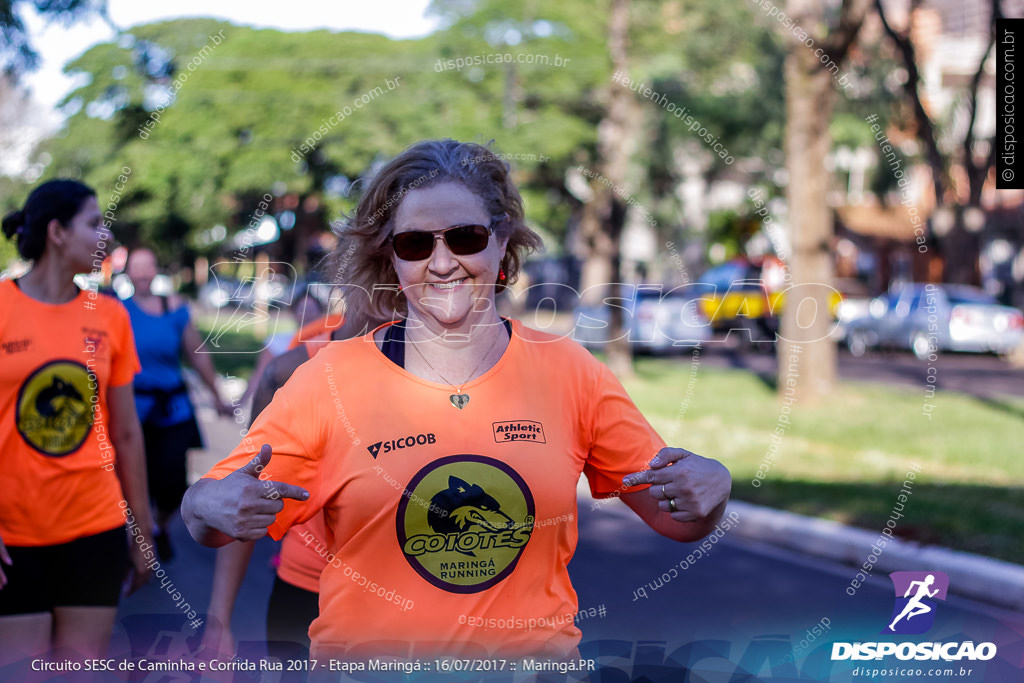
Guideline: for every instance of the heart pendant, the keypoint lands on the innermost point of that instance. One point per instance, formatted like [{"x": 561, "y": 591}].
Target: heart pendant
[{"x": 459, "y": 400}]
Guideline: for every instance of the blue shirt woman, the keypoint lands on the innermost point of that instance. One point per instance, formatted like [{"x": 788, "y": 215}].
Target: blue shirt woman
[{"x": 161, "y": 397}]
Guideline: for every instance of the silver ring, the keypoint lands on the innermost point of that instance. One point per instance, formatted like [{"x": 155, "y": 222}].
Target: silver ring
[{"x": 672, "y": 505}]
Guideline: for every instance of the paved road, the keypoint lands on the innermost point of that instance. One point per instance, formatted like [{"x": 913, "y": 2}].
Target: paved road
[
  {"x": 984, "y": 376},
  {"x": 739, "y": 610}
]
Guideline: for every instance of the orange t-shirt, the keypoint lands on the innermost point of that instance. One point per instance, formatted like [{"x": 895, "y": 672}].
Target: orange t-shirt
[
  {"x": 56, "y": 456},
  {"x": 303, "y": 554},
  {"x": 302, "y": 548},
  {"x": 449, "y": 531}
]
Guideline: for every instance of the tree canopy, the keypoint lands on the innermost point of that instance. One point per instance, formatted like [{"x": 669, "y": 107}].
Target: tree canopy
[{"x": 210, "y": 116}]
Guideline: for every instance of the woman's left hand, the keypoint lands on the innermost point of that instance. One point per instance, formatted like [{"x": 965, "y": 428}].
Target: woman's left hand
[
  {"x": 686, "y": 485},
  {"x": 5, "y": 558}
]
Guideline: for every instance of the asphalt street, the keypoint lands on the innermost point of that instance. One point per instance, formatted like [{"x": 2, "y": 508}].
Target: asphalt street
[{"x": 983, "y": 376}]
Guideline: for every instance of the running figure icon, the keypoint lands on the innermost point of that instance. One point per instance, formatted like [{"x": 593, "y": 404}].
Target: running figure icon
[{"x": 915, "y": 607}]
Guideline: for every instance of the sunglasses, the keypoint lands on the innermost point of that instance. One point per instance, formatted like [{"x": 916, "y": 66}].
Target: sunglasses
[{"x": 462, "y": 240}]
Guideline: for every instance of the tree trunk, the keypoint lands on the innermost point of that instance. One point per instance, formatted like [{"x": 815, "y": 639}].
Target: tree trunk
[
  {"x": 613, "y": 153},
  {"x": 962, "y": 249},
  {"x": 806, "y": 354}
]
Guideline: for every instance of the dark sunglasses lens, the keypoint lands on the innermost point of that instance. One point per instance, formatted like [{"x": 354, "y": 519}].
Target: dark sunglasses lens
[
  {"x": 467, "y": 239},
  {"x": 464, "y": 240},
  {"x": 414, "y": 245}
]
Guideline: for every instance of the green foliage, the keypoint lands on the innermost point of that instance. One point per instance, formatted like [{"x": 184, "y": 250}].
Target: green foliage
[
  {"x": 875, "y": 92},
  {"x": 251, "y": 112},
  {"x": 262, "y": 99},
  {"x": 720, "y": 62},
  {"x": 237, "y": 352},
  {"x": 732, "y": 229},
  {"x": 12, "y": 196}
]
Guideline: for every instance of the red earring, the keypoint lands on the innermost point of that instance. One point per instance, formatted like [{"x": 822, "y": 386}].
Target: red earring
[{"x": 501, "y": 274}]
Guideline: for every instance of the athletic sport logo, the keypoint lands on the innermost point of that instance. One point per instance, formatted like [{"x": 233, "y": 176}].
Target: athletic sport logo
[
  {"x": 914, "y": 608},
  {"x": 54, "y": 412},
  {"x": 16, "y": 346},
  {"x": 464, "y": 521},
  {"x": 519, "y": 430}
]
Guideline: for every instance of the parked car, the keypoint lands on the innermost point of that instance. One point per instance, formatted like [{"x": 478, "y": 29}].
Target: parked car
[
  {"x": 656, "y": 321},
  {"x": 734, "y": 295},
  {"x": 928, "y": 318},
  {"x": 854, "y": 305},
  {"x": 748, "y": 297}
]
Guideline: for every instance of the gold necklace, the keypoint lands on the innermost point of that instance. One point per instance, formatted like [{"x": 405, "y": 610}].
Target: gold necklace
[{"x": 458, "y": 399}]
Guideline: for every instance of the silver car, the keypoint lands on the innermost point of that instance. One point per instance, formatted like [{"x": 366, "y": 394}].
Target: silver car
[
  {"x": 656, "y": 321},
  {"x": 928, "y": 318}
]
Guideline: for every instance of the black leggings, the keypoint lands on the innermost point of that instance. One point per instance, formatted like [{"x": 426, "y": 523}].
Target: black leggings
[
  {"x": 290, "y": 611},
  {"x": 85, "y": 572},
  {"x": 166, "y": 462}
]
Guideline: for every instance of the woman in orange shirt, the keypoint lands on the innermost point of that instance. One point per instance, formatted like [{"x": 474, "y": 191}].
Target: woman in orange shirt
[
  {"x": 444, "y": 449},
  {"x": 71, "y": 456}
]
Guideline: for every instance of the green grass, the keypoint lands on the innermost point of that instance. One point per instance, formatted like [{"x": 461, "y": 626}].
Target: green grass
[
  {"x": 846, "y": 457},
  {"x": 237, "y": 346}
]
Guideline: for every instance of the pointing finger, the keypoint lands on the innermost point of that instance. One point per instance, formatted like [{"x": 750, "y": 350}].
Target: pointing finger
[
  {"x": 637, "y": 478},
  {"x": 279, "y": 489},
  {"x": 667, "y": 456}
]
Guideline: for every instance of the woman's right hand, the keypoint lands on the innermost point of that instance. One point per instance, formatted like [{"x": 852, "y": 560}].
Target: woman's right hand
[
  {"x": 224, "y": 409},
  {"x": 218, "y": 641},
  {"x": 241, "y": 505}
]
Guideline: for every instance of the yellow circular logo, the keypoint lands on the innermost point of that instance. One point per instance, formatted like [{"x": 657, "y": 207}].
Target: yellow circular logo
[
  {"x": 464, "y": 521},
  {"x": 54, "y": 412}
]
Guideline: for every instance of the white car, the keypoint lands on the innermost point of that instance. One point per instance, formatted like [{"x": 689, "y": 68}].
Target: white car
[
  {"x": 928, "y": 318},
  {"x": 655, "y": 321}
]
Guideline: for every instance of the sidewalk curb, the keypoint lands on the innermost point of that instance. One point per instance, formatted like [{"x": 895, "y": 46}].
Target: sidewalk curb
[{"x": 973, "y": 576}]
